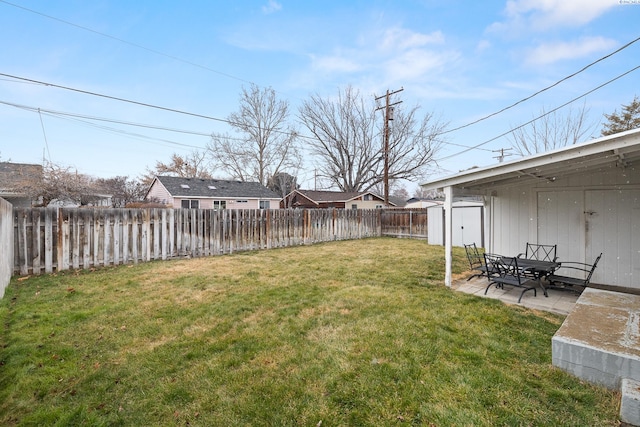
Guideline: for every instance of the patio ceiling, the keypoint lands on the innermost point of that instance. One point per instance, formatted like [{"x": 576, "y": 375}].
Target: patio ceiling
[{"x": 616, "y": 151}]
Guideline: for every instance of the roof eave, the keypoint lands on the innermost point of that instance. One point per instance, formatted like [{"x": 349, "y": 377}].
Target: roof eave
[{"x": 611, "y": 143}]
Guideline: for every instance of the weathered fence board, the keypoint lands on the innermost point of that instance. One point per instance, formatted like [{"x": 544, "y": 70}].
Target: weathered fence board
[
  {"x": 404, "y": 223},
  {"x": 48, "y": 240}
]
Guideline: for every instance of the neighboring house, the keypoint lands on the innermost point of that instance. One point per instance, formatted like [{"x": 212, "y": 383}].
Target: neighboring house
[
  {"x": 584, "y": 197},
  {"x": 211, "y": 194},
  {"x": 13, "y": 177},
  {"x": 311, "y": 199},
  {"x": 88, "y": 200}
]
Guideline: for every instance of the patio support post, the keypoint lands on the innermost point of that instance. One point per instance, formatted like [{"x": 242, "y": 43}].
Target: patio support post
[{"x": 448, "y": 233}]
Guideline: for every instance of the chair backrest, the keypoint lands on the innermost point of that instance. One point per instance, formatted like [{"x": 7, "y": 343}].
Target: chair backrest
[
  {"x": 541, "y": 252},
  {"x": 593, "y": 268},
  {"x": 499, "y": 265},
  {"x": 504, "y": 267},
  {"x": 475, "y": 260}
]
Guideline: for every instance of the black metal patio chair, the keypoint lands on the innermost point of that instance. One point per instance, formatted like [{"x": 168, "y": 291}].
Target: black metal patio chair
[
  {"x": 576, "y": 284},
  {"x": 507, "y": 272},
  {"x": 540, "y": 252},
  {"x": 476, "y": 261}
]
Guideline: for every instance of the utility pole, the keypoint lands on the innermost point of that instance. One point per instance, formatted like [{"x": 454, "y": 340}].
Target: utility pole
[
  {"x": 388, "y": 116},
  {"x": 502, "y": 155}
]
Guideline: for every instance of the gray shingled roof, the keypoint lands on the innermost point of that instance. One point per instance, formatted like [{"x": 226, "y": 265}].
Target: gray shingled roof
[
  {"x": 329, "y": 196},
  {"x": 337, "y": 196},
  {"x": 12, "y": 175},
  {"x": 200, "y": 188}
]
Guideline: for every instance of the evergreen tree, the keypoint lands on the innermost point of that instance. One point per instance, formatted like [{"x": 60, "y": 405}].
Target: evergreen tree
[{"x": 627, "y": 119}]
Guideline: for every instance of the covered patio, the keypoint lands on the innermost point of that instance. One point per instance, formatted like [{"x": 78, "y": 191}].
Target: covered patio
[{"x": 584, "y": 198}]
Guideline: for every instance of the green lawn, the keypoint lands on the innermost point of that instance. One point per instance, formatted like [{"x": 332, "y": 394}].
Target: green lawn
[{"x": 344, "y": 333}]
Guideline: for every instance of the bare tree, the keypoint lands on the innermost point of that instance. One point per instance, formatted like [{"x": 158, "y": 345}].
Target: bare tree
[
  {"x": 282, "y": 184},
  {"x": 123, "y": 190},
  {"x": 265, "y": 144},
  {"x": 348, "y": 141},
  {"x": 60, "y": 183},
  {"x": 401, "y": 193},
  {"x": 194, "y": 165},
  {"x": 552, "y": 131},
  {"x": 627, "y": 119}
]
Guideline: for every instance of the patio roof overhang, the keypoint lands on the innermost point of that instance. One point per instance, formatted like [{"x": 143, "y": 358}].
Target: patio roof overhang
[
  {"x": 614, "y": 151},
  {"x": 619, "y": 150}
]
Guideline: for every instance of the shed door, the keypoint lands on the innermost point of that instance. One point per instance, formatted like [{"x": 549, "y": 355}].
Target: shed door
[
  {"x": 467, "y": 225},
  {"x": 612, "y": 226}
]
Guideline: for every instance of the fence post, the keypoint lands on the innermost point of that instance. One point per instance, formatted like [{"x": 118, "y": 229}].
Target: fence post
[{"x": 6, "y": 244}]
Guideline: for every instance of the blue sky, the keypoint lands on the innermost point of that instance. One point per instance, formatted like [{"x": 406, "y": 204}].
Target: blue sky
[{"x": 460, "y": 60}]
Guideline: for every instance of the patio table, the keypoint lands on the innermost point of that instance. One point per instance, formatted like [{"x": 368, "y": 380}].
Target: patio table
[{"x": 539, "y": 268}]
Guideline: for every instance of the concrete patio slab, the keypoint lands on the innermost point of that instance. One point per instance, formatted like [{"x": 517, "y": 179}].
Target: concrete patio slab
[{"x": 558, "y": 301}]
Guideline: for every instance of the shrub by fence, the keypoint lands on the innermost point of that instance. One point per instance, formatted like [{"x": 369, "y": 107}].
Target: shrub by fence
[{"x": 48, "y": 240}]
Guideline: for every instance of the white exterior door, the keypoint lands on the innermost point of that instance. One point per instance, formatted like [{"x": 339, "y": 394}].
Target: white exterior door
[
  {"x": 585, "y": 223},
  {"x": 612, "y": 226}
]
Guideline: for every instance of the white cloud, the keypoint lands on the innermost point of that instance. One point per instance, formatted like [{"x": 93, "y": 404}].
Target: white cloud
[
  {"x": 271, "y": 7},
  {"x": 541, "y": 15},
  {"x": 396, "y": 53},
  {"x": 416, "y": 63},
  {"x": 402, "y": 39},
  {"x": 338, "y": 63},
  {"x": 549, "y": 53}
]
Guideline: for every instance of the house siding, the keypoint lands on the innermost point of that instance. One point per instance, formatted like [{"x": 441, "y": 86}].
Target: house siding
[
  {"x": 161, "y": 194},
  {"x": 365, "y": 204},
  {"x": 158, "y": 192}
]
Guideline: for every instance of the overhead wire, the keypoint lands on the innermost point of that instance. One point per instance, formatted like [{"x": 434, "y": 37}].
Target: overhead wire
[
  {"x": 139, "y": 103},
  {"x": 136, "y": 45},
  {"x": 541, "y": 116},
  {"x": 543, "y": 89},
  {"x": 176, "y": 58}
]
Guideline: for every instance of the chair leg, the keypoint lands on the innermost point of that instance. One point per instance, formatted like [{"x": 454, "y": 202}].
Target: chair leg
[
  {"x": 527, "y": 289},
  {"x": 490, "y": 283}
]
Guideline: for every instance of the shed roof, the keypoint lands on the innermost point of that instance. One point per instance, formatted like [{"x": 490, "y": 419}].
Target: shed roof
[
  {"x": 215, "y": 188},
  {"x": 618, "y": 150}
]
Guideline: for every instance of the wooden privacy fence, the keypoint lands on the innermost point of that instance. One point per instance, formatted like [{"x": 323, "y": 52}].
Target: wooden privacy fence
[
  {"x": 404, "y": 223},
  {"x": 48, "y": 240}
]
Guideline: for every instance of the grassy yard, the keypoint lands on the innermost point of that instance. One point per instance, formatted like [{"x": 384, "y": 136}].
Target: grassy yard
[{"x": 345, "y": 333}]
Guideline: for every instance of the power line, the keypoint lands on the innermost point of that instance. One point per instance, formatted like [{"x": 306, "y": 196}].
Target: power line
[
  {"x": 87, "y": 120},
  {"x": 173, "y": 57},
  {"x": 542, "y": 90},
  {"x": 143, "y": 104},
  {"x": 46, "y": 143},
  {"x": 539, "y": 117},
  {"x": 138, "y": 46}
]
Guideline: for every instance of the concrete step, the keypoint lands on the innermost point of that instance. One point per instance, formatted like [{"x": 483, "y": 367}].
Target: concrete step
[{"x": 599, "y": 342}]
